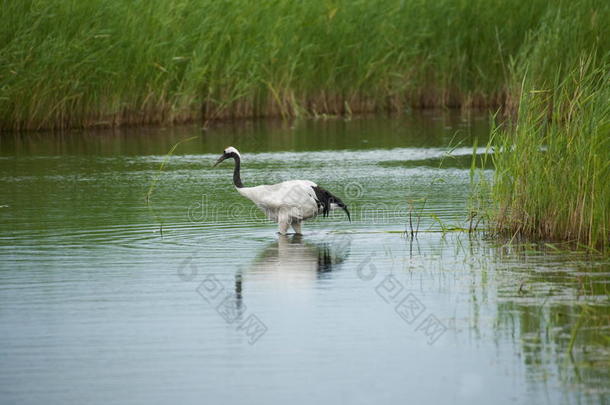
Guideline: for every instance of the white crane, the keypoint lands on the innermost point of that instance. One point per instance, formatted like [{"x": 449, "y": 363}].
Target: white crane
[{"x": 288, "y": 203}]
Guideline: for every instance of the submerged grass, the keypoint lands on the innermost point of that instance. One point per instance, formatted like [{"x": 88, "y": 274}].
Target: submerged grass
[{"x": 71, "y": 63}]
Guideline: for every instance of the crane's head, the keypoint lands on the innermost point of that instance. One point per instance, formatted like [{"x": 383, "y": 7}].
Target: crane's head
[{"x": 229, "y": 152}]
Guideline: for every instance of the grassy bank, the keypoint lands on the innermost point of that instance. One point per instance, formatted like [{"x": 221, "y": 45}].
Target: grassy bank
[
  {"x": 71, "y": 63},
  {"x": 551, "y": 181}
]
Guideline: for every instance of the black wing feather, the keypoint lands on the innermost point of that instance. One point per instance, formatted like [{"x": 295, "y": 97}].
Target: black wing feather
[{"x": 324, "y": 199}]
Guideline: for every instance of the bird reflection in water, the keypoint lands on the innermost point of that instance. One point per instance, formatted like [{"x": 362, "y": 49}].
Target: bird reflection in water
[{"x": 291, "y": 262}]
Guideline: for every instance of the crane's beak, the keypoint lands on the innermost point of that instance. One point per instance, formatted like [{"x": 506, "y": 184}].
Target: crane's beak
[{"x": 220, "y": 159}]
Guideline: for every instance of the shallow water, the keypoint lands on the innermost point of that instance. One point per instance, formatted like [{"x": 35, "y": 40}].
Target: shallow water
[{"x": 193, "y": 298}]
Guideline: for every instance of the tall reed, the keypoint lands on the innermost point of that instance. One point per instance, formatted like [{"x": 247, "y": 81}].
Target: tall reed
[
  {"x": 553, "y": 163},
  {"x": 70, "y": 63}
]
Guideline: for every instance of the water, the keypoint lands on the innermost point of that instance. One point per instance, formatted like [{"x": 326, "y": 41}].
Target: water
[{"x": 193, "y": 298}]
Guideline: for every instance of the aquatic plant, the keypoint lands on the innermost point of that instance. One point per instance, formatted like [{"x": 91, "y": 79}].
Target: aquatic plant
[
  {"x": 552, "y": 171},
  {"x": 105, "y": 63}
]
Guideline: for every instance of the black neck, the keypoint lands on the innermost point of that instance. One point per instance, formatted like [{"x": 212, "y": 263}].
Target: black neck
[{"x": 236, "y": 176}]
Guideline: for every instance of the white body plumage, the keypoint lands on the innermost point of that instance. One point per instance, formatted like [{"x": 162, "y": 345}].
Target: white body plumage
[{"x": 287, "y": 203}]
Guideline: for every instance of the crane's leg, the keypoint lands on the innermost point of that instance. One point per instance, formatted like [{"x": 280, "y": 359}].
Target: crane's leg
[
  {"x": 282, "y": 227},
  {"x": 296, "y": 225}
]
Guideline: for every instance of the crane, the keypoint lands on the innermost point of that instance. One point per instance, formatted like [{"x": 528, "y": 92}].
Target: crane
[{"x": 288, "y": 203}]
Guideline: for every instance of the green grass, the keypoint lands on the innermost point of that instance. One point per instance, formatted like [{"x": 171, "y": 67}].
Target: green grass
[
  {"x": 70, "y": 63},
  {"x": 552, "y": 171}
]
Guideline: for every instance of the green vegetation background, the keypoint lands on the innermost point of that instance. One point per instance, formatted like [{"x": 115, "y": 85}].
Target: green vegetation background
[{"x": 68, "y": 63}]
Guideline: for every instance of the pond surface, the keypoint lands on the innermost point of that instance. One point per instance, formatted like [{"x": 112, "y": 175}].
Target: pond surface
[{"x": 194, "y": 298}]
